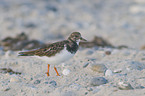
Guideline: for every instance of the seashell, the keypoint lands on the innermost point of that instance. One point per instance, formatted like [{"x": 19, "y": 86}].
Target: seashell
[
  {"x": 100, "y": 68},
  {"x": 108, "y": 73},
  {"x": 66, "y": 72},
  {"x": 98, "y": 81}
]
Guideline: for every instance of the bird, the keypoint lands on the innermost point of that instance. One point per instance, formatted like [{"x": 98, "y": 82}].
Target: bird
[{"x": 58, "y": 52}]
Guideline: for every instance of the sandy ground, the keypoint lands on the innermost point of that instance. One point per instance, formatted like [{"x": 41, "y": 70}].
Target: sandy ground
[{"x": 91, "y": 71}]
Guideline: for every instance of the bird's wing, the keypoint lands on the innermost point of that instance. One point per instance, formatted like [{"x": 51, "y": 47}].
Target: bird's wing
[{"x": 50, "y": 50}]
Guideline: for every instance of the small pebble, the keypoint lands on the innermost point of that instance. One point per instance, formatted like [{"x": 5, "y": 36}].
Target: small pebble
[
  {"x": 108, "y": 52},
  {"x": 89, "y": 89},
  {"x": 101, "y": 68},
  {"x": 108, "y": 73},
  {"x": 139, "y": 87},
  {"x": 77, "y": 79},
  {"x": 124, "y": 86},
  {"x": 53, "y": 83},
  {"x": 128, "y": 69},
  {"x": 5, "y": 88},
  {"x": 117, "y": 71},
  {"x": 46, "y": 82},
  {"x": 86, "y": 93},
  {"x": 37, "y": 82},
  {"x": 66, "y": 72},
  {"x": 85, "y": 65},
  {"x": 98, "y": 81}
]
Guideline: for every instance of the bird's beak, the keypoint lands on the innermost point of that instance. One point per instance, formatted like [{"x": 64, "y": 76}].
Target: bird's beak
[{"x": 83, "y": 39}]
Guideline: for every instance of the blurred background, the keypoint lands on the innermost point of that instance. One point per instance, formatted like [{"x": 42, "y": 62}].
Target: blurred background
[{"x": 121, "y": 22}]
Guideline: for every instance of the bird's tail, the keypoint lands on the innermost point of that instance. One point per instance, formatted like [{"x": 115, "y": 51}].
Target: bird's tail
[{"x": 25, "y": 54}]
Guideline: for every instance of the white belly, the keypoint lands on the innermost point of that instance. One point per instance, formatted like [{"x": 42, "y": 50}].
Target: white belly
[{"x": 64, "y": 55}]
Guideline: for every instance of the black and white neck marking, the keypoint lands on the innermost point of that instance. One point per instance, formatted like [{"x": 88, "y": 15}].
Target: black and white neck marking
[{"x": 72, "y": 46}]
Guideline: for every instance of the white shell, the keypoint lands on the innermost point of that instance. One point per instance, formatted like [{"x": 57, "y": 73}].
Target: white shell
[
  {"x": 123, "y": 84},
  {"x": 66, "y": 72},
  {"x": 108, "y": 73}
]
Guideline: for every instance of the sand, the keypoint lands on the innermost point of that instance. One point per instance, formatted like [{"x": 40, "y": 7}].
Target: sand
[{"x": 91, "y": 72}]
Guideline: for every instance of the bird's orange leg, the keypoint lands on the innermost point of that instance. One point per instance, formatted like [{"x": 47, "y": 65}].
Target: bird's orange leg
[
  {"x": 48, "y": 70},
  {"x": 56, "y": 71}
]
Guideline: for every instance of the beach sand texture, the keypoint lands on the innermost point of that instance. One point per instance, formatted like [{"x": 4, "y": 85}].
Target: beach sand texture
[{"x": 92, "y": 71}]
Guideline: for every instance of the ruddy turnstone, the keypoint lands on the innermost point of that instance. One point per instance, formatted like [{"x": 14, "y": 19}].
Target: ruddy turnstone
[{"x": 58, "y": 52}]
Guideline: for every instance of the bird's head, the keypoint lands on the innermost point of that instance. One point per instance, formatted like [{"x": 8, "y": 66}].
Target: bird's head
[{"x": 76, "y": 37}]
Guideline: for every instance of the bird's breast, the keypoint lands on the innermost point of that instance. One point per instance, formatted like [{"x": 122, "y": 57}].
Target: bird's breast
[{"x": 72, "y": 48}]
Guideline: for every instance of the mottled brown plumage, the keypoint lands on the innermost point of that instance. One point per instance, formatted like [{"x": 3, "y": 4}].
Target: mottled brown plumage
[
  {"x": 48, "y": 51},
  {"x": 54, "y": 48}
]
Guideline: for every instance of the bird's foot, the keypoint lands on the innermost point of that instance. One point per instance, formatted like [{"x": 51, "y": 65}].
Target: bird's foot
[{"x": 47, "y": 73}]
